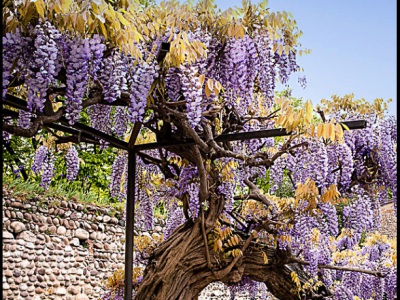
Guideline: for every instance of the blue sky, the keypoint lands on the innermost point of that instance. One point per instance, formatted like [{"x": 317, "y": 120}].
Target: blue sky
[{"x": 353, "y": 45}]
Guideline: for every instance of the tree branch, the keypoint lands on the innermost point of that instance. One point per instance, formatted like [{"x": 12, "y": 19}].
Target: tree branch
[
  {"x": 341, "y": 268},
  {"x": 257, "y": 195}
]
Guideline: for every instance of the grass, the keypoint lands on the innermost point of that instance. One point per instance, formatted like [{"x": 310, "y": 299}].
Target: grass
[{"x": 59, "y": 189}]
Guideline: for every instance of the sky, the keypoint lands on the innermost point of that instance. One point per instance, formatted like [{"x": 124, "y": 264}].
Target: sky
[{"x": 353, "y": 47}]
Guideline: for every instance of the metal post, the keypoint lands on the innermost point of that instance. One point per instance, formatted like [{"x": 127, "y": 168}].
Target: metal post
[{"x": 130, "y": 213}]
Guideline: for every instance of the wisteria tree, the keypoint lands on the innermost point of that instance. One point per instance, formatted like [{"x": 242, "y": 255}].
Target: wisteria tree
[{"x": 298, "y": 214}]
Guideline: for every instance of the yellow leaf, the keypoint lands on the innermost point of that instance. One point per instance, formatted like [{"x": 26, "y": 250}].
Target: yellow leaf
[
  {"x": 321, "y": 131},
  {"x": 230, "y": 30},
  {"x": 236, "y": 252},
  {"x": 265, "y": 257},
  {"x": 216, "y": 91},
  {"x": 290, "y": 120},
  {"x": 309, "y": 111},
  {"x": 202, "y": 77},
  {"x": 101, "y": 18},
  {"x": 217, "y": 85},
  {"x": 111, "y": 12},
  {"x": 80, "y": 24},
  {"x": 345, "y": 126},
  {"x": 103, "y": 29},
  {"x": 207, "y": 91},
  {"x": 40, "y": 7},
  {"x": 295, "y": 278},
  {"x": 217, "y": 245},
  {"x": 210, "y": 84},
  {"x": 123, "y": 21},
  {"x": 56, "y": 106},
  {"x": 331, "y": 131},
  {"x": 57, "y": 8},
  {"x": 280, "y": 49},
  {"x": 339, "y": 132},
  {"x": 287, "y": 49},
  {"x": 65, "y": 5},
  {"x": 145, "y": 29}
]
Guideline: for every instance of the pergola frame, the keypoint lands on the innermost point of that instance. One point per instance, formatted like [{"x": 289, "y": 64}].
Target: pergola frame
[{"x": 83, "y": 133}]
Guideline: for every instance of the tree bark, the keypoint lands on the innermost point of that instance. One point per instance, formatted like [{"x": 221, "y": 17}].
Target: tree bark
[{"x": 178, "y": 269}]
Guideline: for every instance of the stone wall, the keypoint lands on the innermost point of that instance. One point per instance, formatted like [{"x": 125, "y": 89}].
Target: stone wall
[
  {"x": 389, "y": 221},
  {"x": 56, "y": 249}
]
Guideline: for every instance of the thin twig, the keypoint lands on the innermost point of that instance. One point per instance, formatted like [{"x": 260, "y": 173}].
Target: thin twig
[{"x": 341, "y": 268}]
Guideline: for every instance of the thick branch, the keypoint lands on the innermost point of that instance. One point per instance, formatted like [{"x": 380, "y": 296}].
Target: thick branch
[
  {"x": 256, "y": 194},
  {"x": 182, "y": 122},
  {"x": 203, "y": 194}
]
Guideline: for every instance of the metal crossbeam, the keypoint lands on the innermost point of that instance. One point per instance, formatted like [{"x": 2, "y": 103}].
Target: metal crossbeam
[
  {"x": 19, "y": 103},
  {"x": 241, "y": 136}
]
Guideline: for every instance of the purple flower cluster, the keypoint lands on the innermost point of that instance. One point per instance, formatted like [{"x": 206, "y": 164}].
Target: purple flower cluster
[
  {"x": 187, "y": 183},
  {"x": 99, "y": 115},
  {"x": 118, "y": 168},
  {"x": 146, "y": 208},
  {"x": 391, "y": 284},
  {"x": 121, "y": 119},
  {"x": 247, "y": 285},
  {"x": 329, "y": 211},
  {"x": 113, "y": 76},
  {"x": 142, "y": 79},
  {"x": 387, "y": 156},
  {"x": 238, "y": 70},
  {"x": 192, "y": 91},
  {"x": 173, "y": 83},
  {"x": 97, "y": 48},
  {"x": 341, "y": 165},
  {"x": 174, "y": 219},
  {"x": 309, "y": 161},
  {"x": 41, "y": 154},
  {"x": 48, "y": 171},
  {"x": 44, "y": 66},
  {"x": 72, "y": 162},
  {"x": 359, "y": 215},
  {"x": 15, "y": 55},
  {"x": 77, "y": 68},
  {"x": 24, "y": 119},
  {"x": 302, "y": 80}
]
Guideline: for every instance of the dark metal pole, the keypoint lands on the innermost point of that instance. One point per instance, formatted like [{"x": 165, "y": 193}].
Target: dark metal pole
[
  {"x": 130, "y": 213},
  {"x": 240, "y": 136}
]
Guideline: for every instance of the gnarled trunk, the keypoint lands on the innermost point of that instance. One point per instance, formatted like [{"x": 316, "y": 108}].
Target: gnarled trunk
[{"x": 178, "y": 270}]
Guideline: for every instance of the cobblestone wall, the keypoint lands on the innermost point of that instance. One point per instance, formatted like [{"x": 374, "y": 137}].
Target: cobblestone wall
[
  {"x": 58, "y": 252},
  {"x": 389, "y": 221}
]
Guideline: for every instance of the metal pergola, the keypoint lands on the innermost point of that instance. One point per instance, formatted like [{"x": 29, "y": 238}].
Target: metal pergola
[{"x": 83, "y": 133}]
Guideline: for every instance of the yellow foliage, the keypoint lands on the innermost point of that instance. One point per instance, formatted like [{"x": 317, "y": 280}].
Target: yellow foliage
[
  {"x": 315, "y": 236},
  {"x": 129, "y": 22},
  {"x": 295, "y": 279},
  {"x": 347, "y": 103},
  {"x": 330, "y": 195},
  {"x": 307, "y": 192},
  {"x": 297, "y": 120}
]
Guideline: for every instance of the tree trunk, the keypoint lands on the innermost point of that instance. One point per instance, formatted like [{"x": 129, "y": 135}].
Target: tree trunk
[{"x": 178, "y": 270}]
